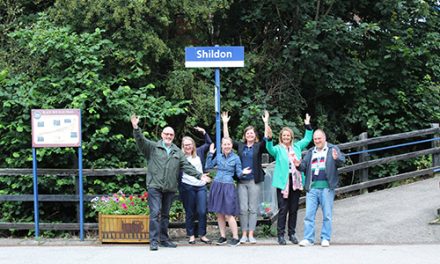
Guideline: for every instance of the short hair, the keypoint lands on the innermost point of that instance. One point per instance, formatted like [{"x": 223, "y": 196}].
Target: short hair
[
  {"x": 281, "y": 134},
  {"x": 168, "y": 127},
  {"x": 246, "y": 130},
  {"x": 321, "y": 131},
  {"x": 193, "y": 152}
]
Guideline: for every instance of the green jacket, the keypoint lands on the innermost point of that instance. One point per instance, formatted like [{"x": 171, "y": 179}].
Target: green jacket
[
  {"x": 279, "y": 153},
  {"x": 163, "y": 169}
]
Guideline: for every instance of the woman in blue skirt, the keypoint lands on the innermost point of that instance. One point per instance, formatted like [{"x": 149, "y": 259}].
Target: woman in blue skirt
[{"x": 223, "y": 198}]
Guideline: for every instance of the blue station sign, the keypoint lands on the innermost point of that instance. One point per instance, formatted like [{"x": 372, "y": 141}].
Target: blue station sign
[{"x": 214, "y": 57}]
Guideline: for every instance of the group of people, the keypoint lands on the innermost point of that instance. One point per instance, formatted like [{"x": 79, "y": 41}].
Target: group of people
[{"x": 170, "y": 168}]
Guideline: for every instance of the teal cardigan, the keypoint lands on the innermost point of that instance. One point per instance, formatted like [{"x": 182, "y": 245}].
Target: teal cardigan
[{"x": 279, "y": 153}]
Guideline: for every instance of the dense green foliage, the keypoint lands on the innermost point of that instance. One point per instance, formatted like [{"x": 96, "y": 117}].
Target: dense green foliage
[{"x": 355, "y": 66}]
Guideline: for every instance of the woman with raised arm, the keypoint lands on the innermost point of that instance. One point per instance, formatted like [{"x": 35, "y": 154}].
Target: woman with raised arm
[
  {"x": 193, "y": 191},
  {"x": 223, "y": 198},
  {"x": 203, "y": 149},
  {"x": 250, "y": 151},
  {"x": 286, "y": 179}
]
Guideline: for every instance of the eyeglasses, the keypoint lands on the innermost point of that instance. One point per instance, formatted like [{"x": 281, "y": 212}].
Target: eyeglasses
[{"x": 168, "y": 134}]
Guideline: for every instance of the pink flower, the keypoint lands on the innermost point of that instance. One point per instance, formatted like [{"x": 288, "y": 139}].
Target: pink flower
[{"x": 124, "y": 206}]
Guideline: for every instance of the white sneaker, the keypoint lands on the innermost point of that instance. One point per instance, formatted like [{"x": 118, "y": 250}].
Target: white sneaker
[
  {"x": 252, "y": 240},
  {"x": 243, "y": 240},
  {"x": 305, "y": 243},
  {"x": 325, "y": 243}
]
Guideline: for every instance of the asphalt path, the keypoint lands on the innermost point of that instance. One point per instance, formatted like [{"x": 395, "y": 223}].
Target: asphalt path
[
  {"x": 335, "y": 254},
  {"x": 390, "y": 226},
  {"x": 399, "y": 215}
]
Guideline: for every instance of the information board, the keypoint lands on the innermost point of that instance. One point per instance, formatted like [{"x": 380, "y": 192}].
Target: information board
[{"x": 56, "y": 128}]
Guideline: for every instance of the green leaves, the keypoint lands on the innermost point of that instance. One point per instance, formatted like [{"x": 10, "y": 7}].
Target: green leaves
[{"x": 354, "y": 66}]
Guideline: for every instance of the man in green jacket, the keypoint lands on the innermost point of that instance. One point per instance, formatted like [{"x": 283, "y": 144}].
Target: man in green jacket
[{"x": 164, "y": 160}]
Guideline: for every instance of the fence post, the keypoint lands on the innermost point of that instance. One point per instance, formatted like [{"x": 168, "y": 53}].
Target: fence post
[
  {"x": 435, "y": 144},
  {"x": 363, "y": 173}
]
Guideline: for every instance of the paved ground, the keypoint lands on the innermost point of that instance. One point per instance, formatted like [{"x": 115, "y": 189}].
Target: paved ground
[
  {"x": 392, "y": 216},
  {"x": 337, "y": 254},
  {"x": 390, "y": 226}
]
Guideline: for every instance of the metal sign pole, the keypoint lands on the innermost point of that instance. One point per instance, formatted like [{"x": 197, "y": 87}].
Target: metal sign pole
[
  {"x": 80, "y": 175},
  {"x": 217, "y": 112},
  {"x": 81, "y": 195},
  {"x": 34, "y": 172}
]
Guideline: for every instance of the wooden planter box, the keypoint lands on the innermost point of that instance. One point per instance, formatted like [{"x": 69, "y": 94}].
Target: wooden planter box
[{"x": 124, "y": 228}]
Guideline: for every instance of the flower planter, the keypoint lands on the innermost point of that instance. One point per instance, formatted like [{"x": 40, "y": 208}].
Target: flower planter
[{"x": 123, "y": 228}]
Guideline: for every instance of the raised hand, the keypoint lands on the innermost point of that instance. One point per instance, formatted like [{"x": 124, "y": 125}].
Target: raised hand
[
  {"x": 134, "y": 121},
  {"x": 265, "y": 117},
  {"x": 335, "y": 154},
  {"x": 201, "y": 130},
  {"x": 225, "y": 117},
  {"x": 212, "y": 148},
  {"x": 307, "y": 120}
]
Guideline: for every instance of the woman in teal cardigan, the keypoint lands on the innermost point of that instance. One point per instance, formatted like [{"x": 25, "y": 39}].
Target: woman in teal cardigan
[{"x": 286, "y": 179}]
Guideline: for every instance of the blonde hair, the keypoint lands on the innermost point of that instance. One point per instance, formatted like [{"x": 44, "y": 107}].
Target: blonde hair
[
  {"x": 227, "y": 138},
  {"x": 246, "y": 130},
  {"x": 284, "y": 129},
  {"x": 193, "y": 152}
]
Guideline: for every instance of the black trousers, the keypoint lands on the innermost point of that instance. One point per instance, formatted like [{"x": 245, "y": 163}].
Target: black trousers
[{"x": 287, "y": 206}]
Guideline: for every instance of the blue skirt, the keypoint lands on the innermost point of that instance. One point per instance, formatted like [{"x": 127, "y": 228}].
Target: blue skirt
[{"x": 223, "y": 199}]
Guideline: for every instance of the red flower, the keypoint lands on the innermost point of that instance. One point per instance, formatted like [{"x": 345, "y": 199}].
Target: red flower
[
  {"x": 124, "y": 206},
  {"x": 131, "y": 197}
]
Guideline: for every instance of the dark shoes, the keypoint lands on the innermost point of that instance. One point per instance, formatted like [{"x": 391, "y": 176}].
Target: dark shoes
[
  {"x": 293, "y": 239},
  {"x": 281, "y": 240},
  {"x": 168, "y": 244},
  {"x": 205, "y": 241},
  {"x": 154, "y": 246},
  {"x": 234, "y": 242},
  {"x": 221, "y": 241}
]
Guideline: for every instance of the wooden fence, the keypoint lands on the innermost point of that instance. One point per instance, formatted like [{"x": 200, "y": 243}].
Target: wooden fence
[{"x": 361, "y": 167}]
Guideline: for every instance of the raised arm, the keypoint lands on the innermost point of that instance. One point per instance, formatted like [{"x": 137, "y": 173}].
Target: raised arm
[
  {"x": 143, "y": 144},
  {"x": 308, "y": 134},
  {"x": 267, "y": 129},
  {"x": 134, "y": 121},
  {"x": 225, "y": 119},
  {"x": 201, "y": 151}
]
